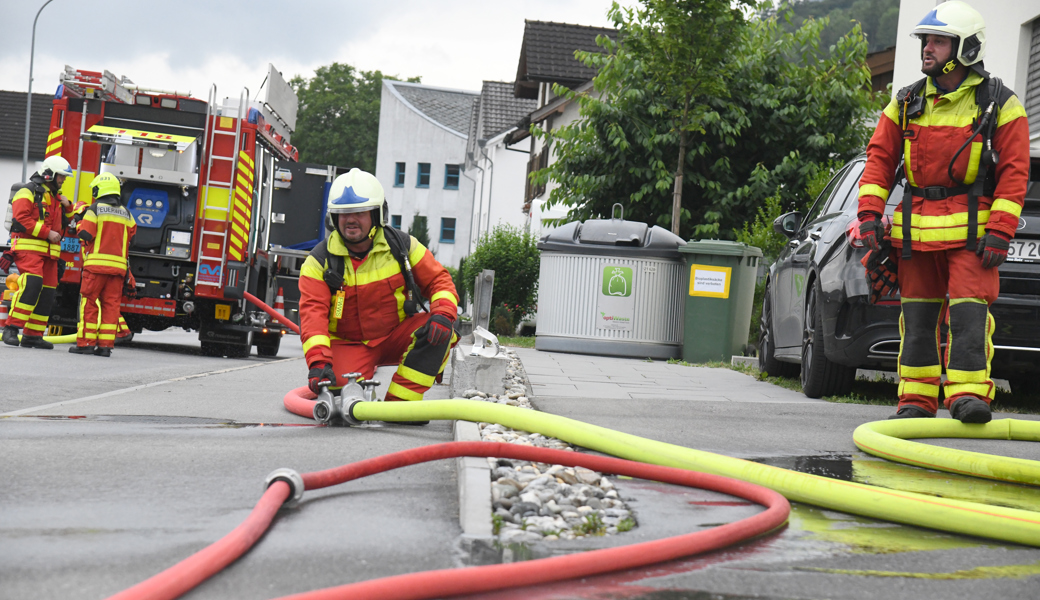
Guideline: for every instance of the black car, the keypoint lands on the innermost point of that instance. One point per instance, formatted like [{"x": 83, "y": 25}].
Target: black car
[{"x": 816, "y": 312}]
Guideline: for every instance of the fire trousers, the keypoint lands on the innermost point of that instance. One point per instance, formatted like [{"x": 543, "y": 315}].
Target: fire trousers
[
  {"x": 31, "y": 307},
  {"x": 950, "y": 286},
  {"x": 419, "y": 362},
  {"x": 105, "y": 291}
]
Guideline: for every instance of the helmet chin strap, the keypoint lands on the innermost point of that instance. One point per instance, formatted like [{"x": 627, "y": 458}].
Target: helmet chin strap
[{"x": 949, "y": 67}]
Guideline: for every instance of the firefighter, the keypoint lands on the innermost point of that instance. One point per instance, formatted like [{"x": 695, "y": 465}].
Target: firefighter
[
  {"x": 39, "y": 216},
  {"x": 964, "y": 141},
  {"x": 105, "y": 231},
  {"x": 122, "y": 329},
  {"x": 354, "y": 311}
]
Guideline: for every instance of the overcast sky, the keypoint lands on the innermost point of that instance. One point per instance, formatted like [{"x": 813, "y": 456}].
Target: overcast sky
[{"x": 190, "y": 44}]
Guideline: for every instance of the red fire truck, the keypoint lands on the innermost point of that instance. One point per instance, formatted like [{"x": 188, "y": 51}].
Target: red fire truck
[{"x": 222, "y": 205}]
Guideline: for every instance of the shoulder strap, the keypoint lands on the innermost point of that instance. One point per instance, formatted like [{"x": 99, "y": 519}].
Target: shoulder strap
[
  {"x": 907, "y": 94},
  {"x": 400, "y": 246},
  {"x": 333, "y": 275}
]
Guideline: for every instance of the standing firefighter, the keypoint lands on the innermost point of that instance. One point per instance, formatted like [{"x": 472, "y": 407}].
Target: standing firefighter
[
  {"x": 355, "y": 311},
  {"x": 39, "y": 216},
  {"x": 965, "y": 145},
  {"x": 105, "y": 230}
]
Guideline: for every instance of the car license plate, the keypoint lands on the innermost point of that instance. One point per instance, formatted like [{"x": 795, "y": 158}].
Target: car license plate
[{"x": 1024, "y": 251}]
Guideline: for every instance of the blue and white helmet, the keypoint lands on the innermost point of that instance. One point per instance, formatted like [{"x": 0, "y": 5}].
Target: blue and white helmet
[
  {"x": 357, "y": 191},
  {"x": 957, "y": 20}
]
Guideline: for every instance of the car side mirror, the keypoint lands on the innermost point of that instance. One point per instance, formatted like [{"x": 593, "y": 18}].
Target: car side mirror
[{"x": 787, "y": 224}]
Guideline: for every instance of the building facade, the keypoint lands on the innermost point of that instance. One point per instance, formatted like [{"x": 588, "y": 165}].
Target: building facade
[
  {"x": 12, "y": 139},
  {"x": 420, "y": 159}
]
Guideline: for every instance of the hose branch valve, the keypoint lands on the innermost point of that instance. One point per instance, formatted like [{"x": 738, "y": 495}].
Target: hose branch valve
[
  {"x": 331, "y": 409},
  {"x": 292, "y": 478}
]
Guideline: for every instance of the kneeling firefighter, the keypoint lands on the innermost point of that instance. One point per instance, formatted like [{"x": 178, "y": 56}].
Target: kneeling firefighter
[
  {"x": 39, "y": 215},
  {"x": 964, "y": 143},
  {"x": 360, "y": 292},
  {"x": 106, "y": 230}
]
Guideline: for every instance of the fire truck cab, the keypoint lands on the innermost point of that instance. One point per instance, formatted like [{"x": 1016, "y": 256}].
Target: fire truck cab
[{"x": 222, "y": 205}]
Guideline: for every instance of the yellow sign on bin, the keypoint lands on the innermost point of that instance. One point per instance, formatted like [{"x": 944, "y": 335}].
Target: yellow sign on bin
[{"x": 710, "y": 281}]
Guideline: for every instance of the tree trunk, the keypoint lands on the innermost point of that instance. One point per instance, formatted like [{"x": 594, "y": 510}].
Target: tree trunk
[{"x": 677, "y": 191}]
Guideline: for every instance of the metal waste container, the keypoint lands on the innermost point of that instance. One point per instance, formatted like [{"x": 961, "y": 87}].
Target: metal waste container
[
  {"x": 719, "y": 291},
  {"x": 611, "y": 287}
]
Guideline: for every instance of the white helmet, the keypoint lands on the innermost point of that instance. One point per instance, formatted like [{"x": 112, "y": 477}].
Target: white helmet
[
  {"x": 356, "y": 191},
  {"x": 958, "y": 20},
  {"x": 53, "y": 166}
]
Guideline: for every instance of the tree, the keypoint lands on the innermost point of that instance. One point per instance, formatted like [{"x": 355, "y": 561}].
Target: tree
[
  {"x": 338, "y": 119},
  {"x": 679, "y": 46},
  {"x": 514, "y": 257},
  {"x": 877, "y": 18},
  {"x": 419, "y": 230},
  {"x": 791, "y": 106}
]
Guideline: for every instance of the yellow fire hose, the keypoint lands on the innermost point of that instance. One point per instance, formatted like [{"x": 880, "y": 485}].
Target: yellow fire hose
[{"x": 968, "y": 518}]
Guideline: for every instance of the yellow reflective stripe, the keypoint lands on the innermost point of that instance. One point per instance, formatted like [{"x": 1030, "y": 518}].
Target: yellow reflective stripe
[
  {"x": 108, "y": 327},
  {"x": 935, "y": 221},
  {"x": 904, "y": 299},
  {"x": 908, "y": 167},
  {"x": 1011, "y": 110},
  {"x": 55, "y": 133},
  {"x": 920, "y": 372},
  {"x": 973, "y": 162},
  {"x": 416, "y": 252},
  {"x": 53, "y": 147},
  {"x": 106, "y": 337},
  {"x": 955, "y": 301},
  {"x": 416, "y": 377},
  {"x": 918, "y": 388},
  {"x": 104, "y": 260},
  {"x": 242, "y": 181},
  {"x": 871, "y": 189},
  {"x": 37, "y": 228},
  {"x": 311, "y": 268},
  {"x": 31, "y": 244},
  {"x": 982, "y": 390},
  {"x": 444, "y": 296},
  {"x": 30, "y": 326},
  {"x": 1012, "y": 208},
  {"x": 245, "y": 157},
  {"x": 316, "y": 340},
  {"x": 944, "y": 118},
  {"x": 376, "y": 274},
  {"x": 954, "y": 375},
  {"x": 402, "y": 392},
  {"x": 399, "y": 298}
]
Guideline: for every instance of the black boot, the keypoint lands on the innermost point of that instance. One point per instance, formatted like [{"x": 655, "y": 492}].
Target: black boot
[
  {"x": 36, "y": 341},
  {"x": 969, "y": 409},
  {"x": 910, "y": 411},
  {"x": 81, "y": 350},
  {"x": 99, "y": 351},
  {"x": 11, "y": 335}
]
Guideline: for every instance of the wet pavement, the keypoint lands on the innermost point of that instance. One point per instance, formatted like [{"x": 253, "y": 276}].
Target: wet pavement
[{"x": 117, "y": 468}]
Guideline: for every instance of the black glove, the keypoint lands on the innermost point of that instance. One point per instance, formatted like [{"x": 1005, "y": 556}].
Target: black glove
[
  {"x": 437, "y": 330},
  {"x": 882, "y": 273},
  {"x": 5, "y": 261},
  {"x": 871, "y": 231},
  {"x": 993, "y": 248},
  {"x": 319, "y": 375}
]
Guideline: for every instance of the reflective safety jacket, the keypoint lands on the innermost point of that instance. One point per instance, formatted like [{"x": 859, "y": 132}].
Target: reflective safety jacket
[
  {"x": 928, "y": 144},
  {"x": 30, "y": 224},
  {"x": 106, "y": 230},
  {"x": 370, "y": 302}
]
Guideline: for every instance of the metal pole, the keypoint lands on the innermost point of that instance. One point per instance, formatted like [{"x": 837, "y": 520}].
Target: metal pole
[{"x": 28, "y": 98}]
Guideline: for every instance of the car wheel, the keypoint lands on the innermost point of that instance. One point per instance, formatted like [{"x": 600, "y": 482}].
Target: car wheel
[
  {"x": 767, "y": 362},
  {"x": 820, "y": 376}
]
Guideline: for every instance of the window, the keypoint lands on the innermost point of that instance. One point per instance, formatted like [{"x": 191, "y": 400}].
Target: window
[
  {"x": 423, "y": 180},
  {"x": 447, "y": 231},
  {"x": 451, "y": 177},
  {"x": 395, "y": 220},
  {"x": 399, "y": 175}
]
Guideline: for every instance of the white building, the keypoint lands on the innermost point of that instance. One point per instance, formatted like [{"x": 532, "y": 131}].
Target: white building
[
  {"x": 422, "y": 148},
  {"x": 547, "y": 58},
  {"x": 1012, "y": 49},
  {"x": 12, "y": 138},
  {"x": 497, "y": 168}
]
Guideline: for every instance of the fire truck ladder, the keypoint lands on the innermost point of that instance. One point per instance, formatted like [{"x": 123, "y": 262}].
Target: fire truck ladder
[{"x": 213, "y": 229}]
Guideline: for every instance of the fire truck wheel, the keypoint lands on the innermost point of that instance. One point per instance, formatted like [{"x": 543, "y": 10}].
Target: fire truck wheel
[{"x": 267, "y": 346}]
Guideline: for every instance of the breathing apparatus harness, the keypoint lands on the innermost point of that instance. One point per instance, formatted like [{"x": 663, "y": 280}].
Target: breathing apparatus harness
[{"x": 989, "y": 94}]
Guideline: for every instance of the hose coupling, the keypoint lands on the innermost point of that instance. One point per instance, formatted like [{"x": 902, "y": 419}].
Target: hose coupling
[
  {"x": 292, "y": 478},
  {"x": 348, "y": 415},
  {"x": 326, "y": 409}
]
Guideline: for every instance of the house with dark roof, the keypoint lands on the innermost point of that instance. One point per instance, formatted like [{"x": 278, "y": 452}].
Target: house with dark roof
[
  {"x": 12, "y": 139},
  {"x": 497, "y": 169},
  {"x": 547, "y": 59},
  {"x": 423, "y": 131}
]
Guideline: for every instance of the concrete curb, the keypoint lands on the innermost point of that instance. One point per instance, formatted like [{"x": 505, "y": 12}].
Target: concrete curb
[{"x": 474, "y": 476}]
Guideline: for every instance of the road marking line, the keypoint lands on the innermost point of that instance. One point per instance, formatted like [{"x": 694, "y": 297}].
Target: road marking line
[{"x": 18, "y": 413}]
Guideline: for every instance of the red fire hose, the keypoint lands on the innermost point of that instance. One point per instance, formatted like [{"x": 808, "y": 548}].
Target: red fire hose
[
  {"x": 187, "y": 574},
  {"x": 274, "y": 314}
]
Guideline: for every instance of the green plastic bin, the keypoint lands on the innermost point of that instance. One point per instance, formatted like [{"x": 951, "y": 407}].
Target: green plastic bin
[{"x": 720, "y": 291}]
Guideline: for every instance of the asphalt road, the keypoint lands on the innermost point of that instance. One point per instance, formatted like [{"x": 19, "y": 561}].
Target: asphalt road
[{"x": 114, "y": 469}]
